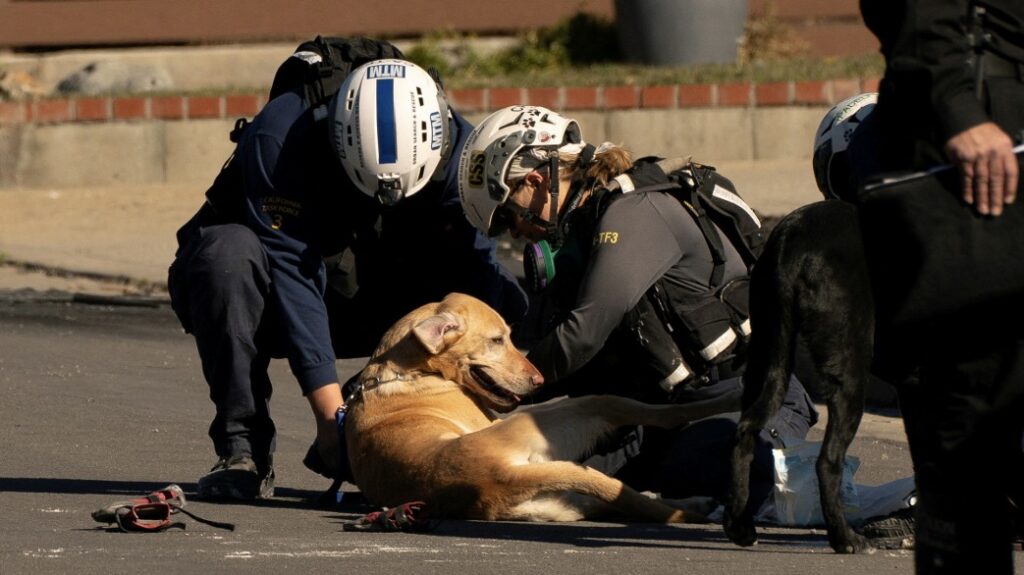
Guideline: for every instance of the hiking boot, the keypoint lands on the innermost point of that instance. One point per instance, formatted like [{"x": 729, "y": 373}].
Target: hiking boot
[
  {"x": 894, "y": 531},
  {"x": 236, "y": 478}
]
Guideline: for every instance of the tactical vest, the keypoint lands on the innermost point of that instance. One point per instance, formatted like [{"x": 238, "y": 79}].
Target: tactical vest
[{"x": 684, "y": 335}]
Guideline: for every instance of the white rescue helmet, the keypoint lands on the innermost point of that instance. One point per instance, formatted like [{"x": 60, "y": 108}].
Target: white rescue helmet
[
  {"x": 831, "y": 164},
  {"x": 389, "y": 127},
  {"x": 490, "y": 148}
]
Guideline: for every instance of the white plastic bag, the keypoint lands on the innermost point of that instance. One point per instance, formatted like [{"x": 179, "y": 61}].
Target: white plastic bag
[
  {"x": 796, "y": 497},
  {"x": 796, "y": 502}
]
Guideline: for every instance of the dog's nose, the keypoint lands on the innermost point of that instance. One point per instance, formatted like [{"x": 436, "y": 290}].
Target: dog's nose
[{"x": 537, "y": 380}]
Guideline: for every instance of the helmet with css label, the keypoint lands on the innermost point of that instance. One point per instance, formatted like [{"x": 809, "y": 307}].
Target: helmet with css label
[
  {"x": 389, "y": 127},
  {"x": 491, "y": 147}
]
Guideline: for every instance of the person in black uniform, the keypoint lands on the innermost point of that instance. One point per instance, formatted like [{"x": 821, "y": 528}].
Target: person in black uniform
[
  {"x": 249, "y": 279},
  {"x": 615, "y": 249},
  {"x": 953, "y": 91}
]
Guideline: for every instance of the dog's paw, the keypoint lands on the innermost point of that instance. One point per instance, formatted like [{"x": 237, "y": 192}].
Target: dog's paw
[
  {"x": 851, "y": 542},
  {"x": 740, "y": 531},
  {"x": 696, "y": 508}
]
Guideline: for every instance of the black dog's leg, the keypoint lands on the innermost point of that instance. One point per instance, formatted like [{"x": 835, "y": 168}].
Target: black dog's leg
[
  {"x": 739, "y": 512},
  {"x": 769, "y": 364},
  {"x": 845, "y": 408},
  {"x": 842, "y": 354},
  {"x": 836, "y": 321}
]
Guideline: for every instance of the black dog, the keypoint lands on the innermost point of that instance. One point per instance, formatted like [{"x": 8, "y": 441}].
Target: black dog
[{"x": 810, "y": 282}]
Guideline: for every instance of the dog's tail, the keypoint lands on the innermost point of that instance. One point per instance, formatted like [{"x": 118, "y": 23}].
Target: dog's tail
[
  {"x": 772, "y": 349},
  {"x": 809, "y": 285}
]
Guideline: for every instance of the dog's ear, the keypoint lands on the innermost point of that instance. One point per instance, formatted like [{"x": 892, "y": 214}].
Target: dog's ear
[{"x": 437, "y": 332}]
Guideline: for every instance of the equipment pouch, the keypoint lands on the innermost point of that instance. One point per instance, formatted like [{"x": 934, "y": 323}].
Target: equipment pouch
[
  {"x": 704, "y": 323},
  {"x": 656, "y": 353},
  {"x": 735, "y": 295}
]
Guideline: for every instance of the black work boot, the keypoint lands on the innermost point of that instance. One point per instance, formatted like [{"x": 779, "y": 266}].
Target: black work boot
[{"x": 236, "y": 478}]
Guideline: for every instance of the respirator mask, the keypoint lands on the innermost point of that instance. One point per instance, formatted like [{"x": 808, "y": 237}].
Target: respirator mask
[{"x": 539, "y": 265}]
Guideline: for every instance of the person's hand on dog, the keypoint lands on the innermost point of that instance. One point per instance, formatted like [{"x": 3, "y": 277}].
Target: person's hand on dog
[
  {"x": 329, "y": 454},
  {"x": 325, "y": 402},
  {"x": 984, "y": 156},
  {"x": 697, "y": 508}
]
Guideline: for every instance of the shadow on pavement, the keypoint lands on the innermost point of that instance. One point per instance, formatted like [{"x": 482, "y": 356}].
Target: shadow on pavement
[
  {"x": 284, "y": 497},
  {"x": 587, "y": 534}
]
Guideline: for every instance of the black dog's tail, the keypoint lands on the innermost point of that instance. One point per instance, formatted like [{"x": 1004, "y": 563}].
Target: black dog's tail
[
  {"x": 810, "y": 284},
  {"x": 772, "y": 348}
]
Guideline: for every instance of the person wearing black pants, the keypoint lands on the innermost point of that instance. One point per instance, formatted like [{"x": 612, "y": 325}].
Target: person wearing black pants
[{"x": 953, "y": 91}]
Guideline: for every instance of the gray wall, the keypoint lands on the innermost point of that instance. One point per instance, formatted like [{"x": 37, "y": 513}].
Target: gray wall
[{"x": 172, "y": 152}]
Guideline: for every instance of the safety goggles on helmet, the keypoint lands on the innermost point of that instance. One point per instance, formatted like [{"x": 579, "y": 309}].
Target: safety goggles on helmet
[
  {"x": 504, "y": 219},
  {"x": 505, "y": 216},
  {"x": 390, "y": 128},
  {"x": 490, "y": 149}
]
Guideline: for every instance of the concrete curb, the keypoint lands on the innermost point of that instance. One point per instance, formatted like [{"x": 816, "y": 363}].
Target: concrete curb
[{"x": 149, "y": 150}]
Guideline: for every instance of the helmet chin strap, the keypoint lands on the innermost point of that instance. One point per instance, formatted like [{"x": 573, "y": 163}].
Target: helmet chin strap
[
  {"x": 555, "y": 231},
  {"x": 552, "y": 230}
]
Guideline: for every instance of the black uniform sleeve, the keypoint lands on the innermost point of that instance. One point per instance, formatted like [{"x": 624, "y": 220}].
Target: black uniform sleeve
[
  {"x": 927, "y": 52},
  {"x": 633, "y": 246}
]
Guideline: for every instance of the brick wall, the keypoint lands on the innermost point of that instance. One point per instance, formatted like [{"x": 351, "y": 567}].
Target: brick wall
[
  {"x": 40, "y": 23},
  {"x": 601, "y": 98}
]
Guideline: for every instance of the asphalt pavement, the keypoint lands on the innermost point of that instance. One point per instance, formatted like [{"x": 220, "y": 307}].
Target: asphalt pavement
[{"x": 107, "y": 402}]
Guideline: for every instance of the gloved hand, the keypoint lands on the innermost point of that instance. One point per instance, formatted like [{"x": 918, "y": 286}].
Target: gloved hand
[
  {"x": 410, "y": 516},
  {"x": 337, "y": 469},
  {"x": 320, "y": 459}
]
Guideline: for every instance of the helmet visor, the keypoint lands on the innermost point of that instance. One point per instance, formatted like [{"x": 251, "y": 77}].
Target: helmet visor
[
  {"x": 502, "y": 221},
  {"x": 508, "y": 214}
]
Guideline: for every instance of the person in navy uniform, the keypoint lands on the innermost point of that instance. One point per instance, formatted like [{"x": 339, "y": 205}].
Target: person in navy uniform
[{"x": 363, "y": 181}]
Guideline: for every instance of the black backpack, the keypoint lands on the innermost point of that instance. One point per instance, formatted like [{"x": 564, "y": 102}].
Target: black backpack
[
  {"x": 707, "y": 196},
  {"x": 319, "y": 67}
]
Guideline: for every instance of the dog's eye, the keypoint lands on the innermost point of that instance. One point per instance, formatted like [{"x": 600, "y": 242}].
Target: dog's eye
[{"x": 498, "y": 340}]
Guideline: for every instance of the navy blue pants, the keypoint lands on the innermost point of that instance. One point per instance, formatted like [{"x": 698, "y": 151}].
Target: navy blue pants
[
  {"x": 219, "y": 285},
  {"x": 694, "y": 460}
]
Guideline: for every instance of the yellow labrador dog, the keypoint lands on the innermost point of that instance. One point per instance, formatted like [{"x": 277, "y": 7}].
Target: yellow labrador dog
[{"x": 422, "y": 426}]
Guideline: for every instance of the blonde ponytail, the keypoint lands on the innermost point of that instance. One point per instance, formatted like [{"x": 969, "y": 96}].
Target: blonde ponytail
[{"x": 609, "y": 161}]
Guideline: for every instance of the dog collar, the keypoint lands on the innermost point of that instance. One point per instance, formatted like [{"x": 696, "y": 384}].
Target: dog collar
[{"x": 370, "y": 383}]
